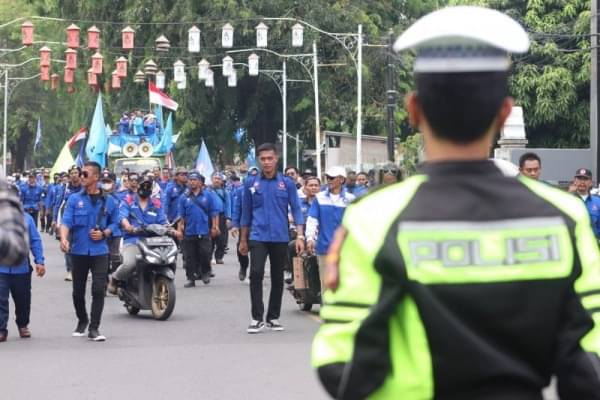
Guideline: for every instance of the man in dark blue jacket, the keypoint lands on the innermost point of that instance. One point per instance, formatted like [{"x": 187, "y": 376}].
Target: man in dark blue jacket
[
  {"x": 31, "y": 196},
  {"x": 174, "y": 190},
  {"x": 223, "y": 201},
  {"x": 264, "y": 232},
  {"x": 16, "y": 281}
]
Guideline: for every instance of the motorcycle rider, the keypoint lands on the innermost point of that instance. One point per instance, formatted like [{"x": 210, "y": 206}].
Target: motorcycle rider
[{"x": 135, "y": 211}]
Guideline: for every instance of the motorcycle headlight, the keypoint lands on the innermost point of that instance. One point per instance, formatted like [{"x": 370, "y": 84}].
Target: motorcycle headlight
[
  {"x": 172, "y": 259},
  {"x": 152, "y": 259}
]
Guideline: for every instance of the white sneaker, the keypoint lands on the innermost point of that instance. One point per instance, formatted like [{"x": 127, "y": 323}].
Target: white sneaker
[
  {"x": 69, "y": 277},
  {"x": 274, "y": 325},
  {"x": 255, "y": 326}
]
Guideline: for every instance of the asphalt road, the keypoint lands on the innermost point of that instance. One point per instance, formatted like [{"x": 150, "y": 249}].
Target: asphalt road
[{"x": 201, "y": 352}]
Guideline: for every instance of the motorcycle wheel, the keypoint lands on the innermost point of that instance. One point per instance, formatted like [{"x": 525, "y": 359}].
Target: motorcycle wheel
[
  {"x": 163, "y": 298},
  {"x": 132, "y": 310},
  {"x": 305, "y": 306}
]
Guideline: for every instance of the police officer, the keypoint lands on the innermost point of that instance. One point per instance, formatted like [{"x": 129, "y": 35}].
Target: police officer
[
  {"x": 460, "y": 282},
  {"x": 31, "y": 196},
  {"x": 264, "y": 231},
  {"x": 89, "y": 220},
  {"x": 134, "y": 212},
  {"x": 174, "y": 190},
  {"x": 108, "y": 186},
  {"x": 196, "y": 207}
]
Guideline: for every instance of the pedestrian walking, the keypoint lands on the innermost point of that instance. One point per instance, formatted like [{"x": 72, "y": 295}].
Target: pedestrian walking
[
  {"x": 237, "y": 193},
  {"x": 174, "y": 190},
  {"x": 15, "y": 281},
  {"x": 264, "y": 232},
  {"x": 461, "y": 282},
  {"x": 198, "y": 223},
  {"x": 31, "y": 196},
  {"x": 88, "y": 221},
  {"x": 223, "y": 203}
]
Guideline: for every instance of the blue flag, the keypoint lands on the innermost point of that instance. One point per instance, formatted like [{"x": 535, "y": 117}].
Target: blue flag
[
  {"x": 239, "y": 134},
  {"x": 80, "y": 159},
  {"x": 97, "y": 144},
  {"x": 158, "y": 111},
  {"x": 251, "y": 157},
  {"x": 203, "y": 163},
  {"x": 166, "y": 142},
  {"x": 38, "y": 135}
]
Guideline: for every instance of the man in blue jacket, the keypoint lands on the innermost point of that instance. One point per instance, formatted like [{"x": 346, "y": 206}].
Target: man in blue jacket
[
  {"x": 73, "y": 186},
  {"x": 89, "y": 220},
  {"x": 223, "y": 202},
  {"x": 31, "y": 196},
  {"x": 16, "y": 281},
  {"x": 583, "y": 185},
  {"x": 264, "y": 231},
  {"x": 237, "y": 192},
  {"x": 174, "y": 190}
]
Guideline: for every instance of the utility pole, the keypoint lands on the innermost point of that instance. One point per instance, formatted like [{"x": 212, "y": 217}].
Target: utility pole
[
  {"x": 594, "y": 89},
  {"x": 391, "y": 98}
]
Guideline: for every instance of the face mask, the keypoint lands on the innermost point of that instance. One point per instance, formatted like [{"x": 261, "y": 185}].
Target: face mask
[{"x": 107, "y": 186}]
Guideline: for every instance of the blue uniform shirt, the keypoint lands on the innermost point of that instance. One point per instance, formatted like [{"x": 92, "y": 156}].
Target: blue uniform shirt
[
  {"x": 196, "y": 216},
  {"x": 328, "y": 212},
  {"x": 31, "y": 196},
  {"x": 131, "y": 210},
  {"x": 117, "y": 233},
  {"x": 49, "y": 200},
  {"x": 35, "y": 246},
  {"x": 80, "y": 217},
  {"x": 62, "y": 196},
  {"x": 174, "y": 191},
  {"x": 236, "y": 205},
  {"x": 223, "y": 199},
  {"x": 265, "y": 208},
  {"x": 593, "y": 205}
]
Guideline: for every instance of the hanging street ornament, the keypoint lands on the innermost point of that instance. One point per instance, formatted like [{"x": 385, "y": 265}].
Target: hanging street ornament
[
  {"x": 27, "y": 33},
  {"x": 127, "y": 38},
  {"x": 71, "y": 58},
  {"x": 162, "y": 44},
  {"x": 178, "y": 71},
  {"x": 45, "y": 56},
  {"x": 210, "y": 78},
  {"x": 97, "y": 63},
  {"x": 253, "y": 64},
  {"x": 93, "y": 38},
  {"x": 45, "y": 73},
  {"x": 194, "y": 40},
  {"x": 182, "y": 84},
  {"x": 73, "y": 36},
  {"x": 160, "y": 80},
  {"x": 122, "y": 67},
  {"x": 115, "y": 80},
  {"x": 91, "y": 77},
  {"x": 297, "y": 35},
  {"x": 54, "y": 81},
  {"x": 232, "y": 79},
  {"x": 69, "y": 75},
  {"x": 261, "y": 35},
  {"x": 203, "y": 67},
  {"x": 227, "y": 36},
  {"x": 227, "y": 66},
  {"x": 150, "y": 67},
  {"x": 139, "y": 77}
]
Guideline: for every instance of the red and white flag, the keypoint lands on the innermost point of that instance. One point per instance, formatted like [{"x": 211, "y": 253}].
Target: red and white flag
[
  {"x": 158, "y": 97},
  {"x": 80, "y": 135}
]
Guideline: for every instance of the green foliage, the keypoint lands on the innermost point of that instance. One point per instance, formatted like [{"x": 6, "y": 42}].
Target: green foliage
[{"x": 411, "y": 151}]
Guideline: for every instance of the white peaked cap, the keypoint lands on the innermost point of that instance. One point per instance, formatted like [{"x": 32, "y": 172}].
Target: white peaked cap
[{"x": 464, "y": 39}]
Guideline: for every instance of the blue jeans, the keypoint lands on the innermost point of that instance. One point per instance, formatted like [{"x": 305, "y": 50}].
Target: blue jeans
[{"x": 19, "y": 287}]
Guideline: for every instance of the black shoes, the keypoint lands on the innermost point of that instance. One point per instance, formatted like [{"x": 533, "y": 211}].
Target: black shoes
[
  {"x": 242, "y": 274},
  {"x": 274, "y": 325},
  {"x": 255, "y": 326},
  {"x": 206, "y": 278},
  {"x": 80, "y": 329},
  {"x": 189, "y": 284},
  {"x": 95, "y": 336},
  {"x": 220, "y": 261}
]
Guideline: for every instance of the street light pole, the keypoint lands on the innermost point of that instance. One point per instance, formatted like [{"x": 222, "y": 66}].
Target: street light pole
[
  {"x": 359, "y": 102},
  {"x": 317, "y": 119},
  {"x": 4, "y": 138},
  {"x": 284, "y": 102}
]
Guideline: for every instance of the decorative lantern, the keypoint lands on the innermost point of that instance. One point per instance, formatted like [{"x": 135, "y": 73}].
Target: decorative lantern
[
  {"x": 194, "y": 40},
  {"x": 150, "y": 67},
  {"x": 139, "y": 77},
  {"x": 93, "y": 38},
  {"x": 203, "y": 67},
  {"x": 178, "y": 71},
  {"x": 261, "y": 35},
  {"x": 210, "y": 78},
  {"x": 71, "y": 59},
  {"x": 54, "y": 81},
  {"x": 162, "y": 44},
  {"x": 127, "y": 38},
  {"x": 227, "y": 66},
  {"x": 253, "y": 65},
  {"x": 27, "y": 33},
  {"x": 160, "y": 80},
  {"x": 45, "y": 73},
  {"x": 182, "y": 84},
  {"x": 115, "y": 81},
  {"x": 232, "y": 79},
  {"x": 45, "y": 56},
  {"x": 73, "y": 36},
  {"x": 69, "y": 75},
  {"x": 91, "y": 77},
  {"x": 122, "y": 67},
  {"x": 297, "y": 35},
  {"x": 227, "y": 36},
  {"x": 97, "y": 63}
]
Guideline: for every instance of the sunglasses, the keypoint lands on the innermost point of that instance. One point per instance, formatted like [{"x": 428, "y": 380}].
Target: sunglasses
[
  {"x": 330, "y": 178},
  {"x": 85, "y": 174}
]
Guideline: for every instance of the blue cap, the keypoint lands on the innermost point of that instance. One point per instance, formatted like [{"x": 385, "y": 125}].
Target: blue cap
[{"x": 196, "y": 175}]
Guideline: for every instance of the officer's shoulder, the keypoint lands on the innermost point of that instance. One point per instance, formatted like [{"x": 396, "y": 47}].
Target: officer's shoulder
[
  {"x": 380, "y": 197},
  {"x": 564, "y": 201}
]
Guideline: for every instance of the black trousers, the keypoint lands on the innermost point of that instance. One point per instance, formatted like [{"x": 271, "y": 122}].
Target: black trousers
[
  {"x": 43, "y": 218},
  {"x": 277, "y": 253},
  {"x": 48, "y": 219},
  {"x": 34, "y": 214},
  {"x": 220, "y": 242},
  {"x": 114, "y": 254},
  {"x": 82, "y": 265},
  {"x": 196, "y": 256},
  {"x": 244, "y": 260},
  {"x": 19, "y": 287}
]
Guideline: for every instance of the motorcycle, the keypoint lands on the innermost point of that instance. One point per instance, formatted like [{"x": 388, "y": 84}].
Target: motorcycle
[
  {"x": 151, "y": 286},
  {"x": 306, "y": 286}
]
